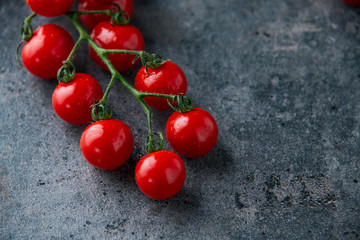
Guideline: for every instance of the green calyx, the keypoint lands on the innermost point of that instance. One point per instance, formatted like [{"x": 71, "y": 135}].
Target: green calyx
[
  {"x": 120, "y": 17},
  {"x": 156, "y": 144},
  {"x": 184, "y": 104},
  {"x": 67, "y": 72},
  {"x": 26, "y": 34},
  {"x": 150, "y": 60},
  {"x": 101, "y": 111},
  {"x": 155, "y": 61},
  {"x": 26, "y": 28},
  {"x": 26, "y": 31}
]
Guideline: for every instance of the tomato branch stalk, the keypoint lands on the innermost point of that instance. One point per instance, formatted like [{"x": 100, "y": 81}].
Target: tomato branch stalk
[{"x": 101, "y": 110}]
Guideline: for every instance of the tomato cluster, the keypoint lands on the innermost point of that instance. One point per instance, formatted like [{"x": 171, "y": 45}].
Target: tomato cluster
[{"x": 79, "y": 99}]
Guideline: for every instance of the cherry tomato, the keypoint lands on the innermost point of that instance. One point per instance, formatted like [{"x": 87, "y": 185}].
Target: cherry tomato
[
  {"x": 166, "y": 79},
  {"x": 192, "y": 134},
  {"x": 50, "y": 8},
  {"x": 160, "y": 175},
  {"x": 107, "y": 144},
  {"x": 72, "y": 101},
  {"x": 91, "y": 20},
  {"x": 44, "y": 53},
  {"x": 352, "y": 2},
  {"x": 117, "y": 37}
]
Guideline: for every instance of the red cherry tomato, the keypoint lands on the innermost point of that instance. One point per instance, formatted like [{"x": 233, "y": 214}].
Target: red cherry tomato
[
  {"x": 166, "y": 79},
  {"x": 192, "y": 134},
  {"x": 44, "y": 53},
  {"x": 72, "y": 101},
  {"x": 160, "y": 175},
  {"x": 352, "y": 2},
  {"x": 91, "y": 20},
  {"x": 50, "y": 8},
  {"x": 117, "y": 37},
  {"x": 107, "y": 144}
]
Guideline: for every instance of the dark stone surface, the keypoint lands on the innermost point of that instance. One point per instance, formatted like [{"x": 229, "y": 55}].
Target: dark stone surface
[{"x": 282, "y": 79}]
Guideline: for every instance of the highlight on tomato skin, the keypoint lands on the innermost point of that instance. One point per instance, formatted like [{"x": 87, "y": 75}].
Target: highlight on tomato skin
[
  {"x": 160, "y": 175},
  {"x": 46, "y": 50},
  {"x": 91, "y": 20},
  {"x": 107, "y": 144},
  {"x": 72, "y": 101},
  {"x": 50, "y": 8},
  {"x": 115, "y": 36},
  {"x": 192, "y": 134},
  {"x": 166, "y": 79}
]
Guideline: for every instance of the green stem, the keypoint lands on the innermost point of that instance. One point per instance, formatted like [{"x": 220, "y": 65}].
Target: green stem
[
  {"x": 26, "y": 34},
  {"x": 127, "y": 85},
  {"x": 26, "y": 29},
  {"x": 148, "y": 94},
  {"x": 29, "y": 18},
  {"x": 67, "y": 72},
  {"x": 148, "y": 116},
  {"x": 107, "y": 51},
  {"x": 125, "y": 51},
  {"x": 107, "y": 11},
  {"x": 72, "y": 53},
  {"x": 103, "y": 54},
  {"x": 74, "y": 19},
  {"x": 151, "y": 142},
  {"x": 111, "y": 83}
]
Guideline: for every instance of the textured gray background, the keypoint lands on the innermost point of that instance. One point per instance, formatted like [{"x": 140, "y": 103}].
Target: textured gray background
[{"x": 281, "y": 77}]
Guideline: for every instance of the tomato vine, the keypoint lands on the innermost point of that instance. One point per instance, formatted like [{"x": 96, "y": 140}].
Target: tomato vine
[
  {"x": 148, "y": 60},
  {"x": 196, "y": 140}
]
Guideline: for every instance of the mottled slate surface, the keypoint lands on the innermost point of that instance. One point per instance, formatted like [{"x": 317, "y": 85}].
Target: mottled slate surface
[{"x": 281, "y": 78}]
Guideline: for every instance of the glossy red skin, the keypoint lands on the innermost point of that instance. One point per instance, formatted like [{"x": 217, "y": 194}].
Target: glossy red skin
[
  {"x": 352, "y": 2},
  {"x": 107, "y": 144},
  {"x": 91, "y": 20},
  {"x": 192, "y": 134},
  {"x": 117, "y": 37},
  {"x": 166, "y": 79},
  {"x": 50, "y": 8},
  {"x": 72, "y": 101},
  {"x": 160, "y": 175},
  {"x": 44, "y": 53}
]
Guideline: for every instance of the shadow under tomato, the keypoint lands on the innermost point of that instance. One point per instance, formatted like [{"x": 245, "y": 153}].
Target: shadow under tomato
[
  {"x": 217, "y": 161},
  {"x": 179, "y": 206}
]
